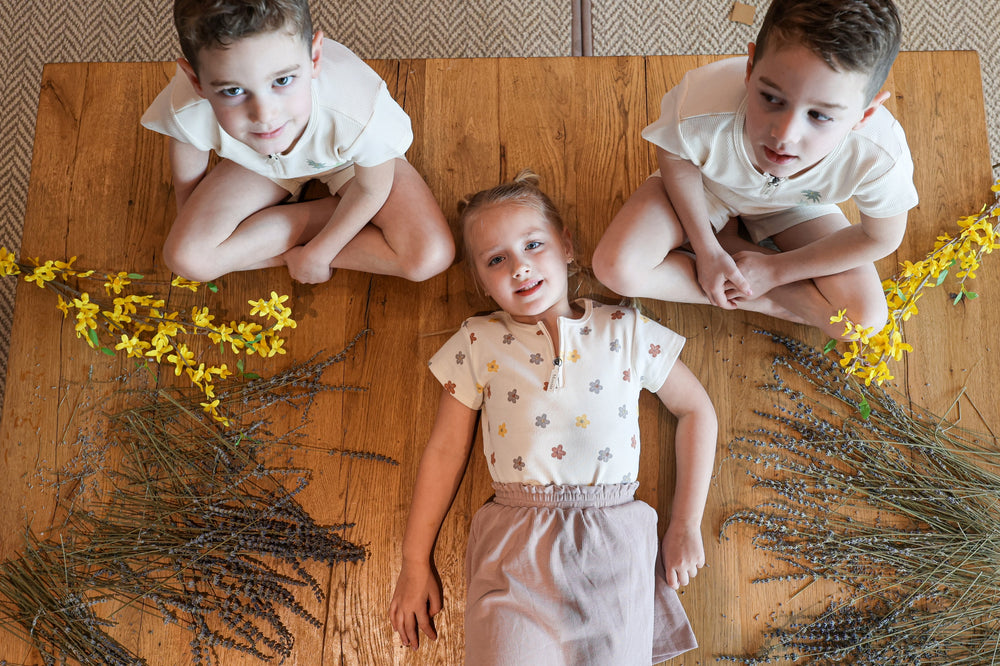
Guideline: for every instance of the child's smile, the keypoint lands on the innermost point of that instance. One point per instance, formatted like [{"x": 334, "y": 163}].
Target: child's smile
[
  {"x": 521, "y": 262},
  {"x": 799, "y": 109},
  {"x": 260, "y": 88}
]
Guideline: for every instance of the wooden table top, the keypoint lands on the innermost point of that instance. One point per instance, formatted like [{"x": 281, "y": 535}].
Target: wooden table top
[{"x": 100, "y": 190}]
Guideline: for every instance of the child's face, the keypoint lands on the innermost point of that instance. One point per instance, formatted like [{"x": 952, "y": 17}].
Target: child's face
[
  {"x": 521, "y": 260},
  {"x": 260, "y": 87},
  {"x": 799, "y": 108}
]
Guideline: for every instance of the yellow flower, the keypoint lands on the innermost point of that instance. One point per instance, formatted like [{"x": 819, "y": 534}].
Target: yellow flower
[
  {"x": 502, "y": 430},
  {"x": 201, "y": 318},
  {"x": 182, "y": 359},
  {"x": 838, "y": 317},
  {"x": 582, "y": 421},
  {"x": 133, "y": 346},
  {"x": 574, "y": 356},
  {"x": 42, "y": 274},
  {"x": 8, "y": 262},
  {"x": 492, "y": 366},
  {"x": 62, "y": 305},
  {"x": 116, "y": 283},
  {"x": 160, "y": 348},
  {"x": 185, "y": 283}
]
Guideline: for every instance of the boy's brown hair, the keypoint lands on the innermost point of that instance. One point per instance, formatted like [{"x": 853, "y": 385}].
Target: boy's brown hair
[
  {"x": 206, "y": 24},
  {"x": 854, "y": 35}
]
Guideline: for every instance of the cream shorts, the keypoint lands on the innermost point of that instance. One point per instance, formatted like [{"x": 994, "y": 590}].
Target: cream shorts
[{"x": 334, "y": 180}]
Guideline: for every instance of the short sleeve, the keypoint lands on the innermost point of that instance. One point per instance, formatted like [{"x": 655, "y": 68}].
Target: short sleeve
[
  {"x": 891, "y": 192},
  {"x": 454, "y": 367},
  {"x": 180, "y": 113},
  {"x": 655, "y": 351},
  {"x": 386, "y": 136},
  {"x": 665, "y": 132}
]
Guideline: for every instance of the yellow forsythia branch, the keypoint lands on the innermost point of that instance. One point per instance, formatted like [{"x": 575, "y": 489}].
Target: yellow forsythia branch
[
  {"x": 868, "y": 351},
  {"x": 140, "y": 327}
]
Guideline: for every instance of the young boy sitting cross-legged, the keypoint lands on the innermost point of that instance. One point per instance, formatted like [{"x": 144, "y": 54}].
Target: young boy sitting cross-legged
[
  {"x": 775, "y": 141},
  {"x": 281, "y": 106}
]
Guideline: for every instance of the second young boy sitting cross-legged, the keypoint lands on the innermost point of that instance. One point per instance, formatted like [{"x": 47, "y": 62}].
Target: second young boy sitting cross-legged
[
  {"x": 776, "y": 141},
  {"x": 280, "y": 105}
]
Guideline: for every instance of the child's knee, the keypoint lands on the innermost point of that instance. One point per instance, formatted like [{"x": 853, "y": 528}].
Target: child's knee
[
  {"x": 433, "y": 255},
  {"x": 611, "y": 268},
  {"x": 869, "y": 314},
  {"x": 184, "y": 260}
]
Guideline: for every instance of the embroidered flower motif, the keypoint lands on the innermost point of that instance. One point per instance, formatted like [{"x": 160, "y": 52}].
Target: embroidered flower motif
[
  {"x": 595, "y": 386},
  {"x": 493, "y": 458},
  {"x": 617, "y": 314},
  {"x": 512, "y": 396},
  {"x": 489, "y": 391},
  {"x": 545, "y": 386},
  {"x": 623, "y": 412},
  {"x": 502, "y": 430},
  {"x": 574, "y": 356},
  {"x": 479, "y": 388},
  {"x": 518, "y": 463},
  {"x": 615, "y": 345},
  {"x": 558, "y": 452},
  {"x": 582, "y": 421},
  {"x": 536, "y": 359},
  {"x": 627, "y": 375},
  {"x": 449, "y": 386},
  {"x": 627, "y": 478},
  {"x": 509, "y": 338},
  {"x": 539, "y": 333},
  {"x": 472, "y": 338},
  {"x": 542, "y": 421},
  {"x": 459, "y": 358},
  {"x": 492, "y": 366},
  {"x": 585, "y": 330},
  {"x": 604, "y": 455},
  {"x": 654, "y": 350},
  {"x": 635, "y": 441}
]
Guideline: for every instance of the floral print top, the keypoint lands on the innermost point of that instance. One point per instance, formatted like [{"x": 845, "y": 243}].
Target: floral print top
[{"x": 566, "y": 416}]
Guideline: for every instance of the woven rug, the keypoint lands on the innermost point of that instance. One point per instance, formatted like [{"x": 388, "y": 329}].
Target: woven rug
[{"x": 42, "y": 31}]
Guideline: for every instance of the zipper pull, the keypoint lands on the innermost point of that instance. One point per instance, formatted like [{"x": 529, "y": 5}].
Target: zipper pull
[
  {"x": 554, "y": 379},
  {"x": 770, "y": 185}
]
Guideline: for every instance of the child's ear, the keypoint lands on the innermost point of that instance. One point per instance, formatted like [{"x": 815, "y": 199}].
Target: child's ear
[
  {"x": 869, "y": 111},
  {"x": 316, "y": 52},
  {"x": 750, "y": 51},
  {"x": 191, "y": 75}
]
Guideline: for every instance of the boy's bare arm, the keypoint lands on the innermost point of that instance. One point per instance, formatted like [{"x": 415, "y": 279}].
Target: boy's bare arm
[
  {"x": 363, "y": 198},
  {"x": 417, "y": 597},
  {"x": 187, "y": 166},
  {"x": 837, "y": 252},
  {"x": 715, "y": 267},
  {"x": 695, "y": 442}
]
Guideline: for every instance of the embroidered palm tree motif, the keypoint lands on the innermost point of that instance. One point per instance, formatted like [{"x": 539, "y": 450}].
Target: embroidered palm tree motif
[
  {"x": 319, "y": 166},
  {"x": 812, "y": 196}
]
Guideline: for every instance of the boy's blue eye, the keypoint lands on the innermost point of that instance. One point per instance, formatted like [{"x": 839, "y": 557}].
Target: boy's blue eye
[
  {"x": 533, "y": 245},
  {"x": 822, "y": 117},
  {"x": 770, "y": 99},
  {"x": 283, "y": 81},
  {"x": 235, "y": 91},
  {"x": 494, "y": 261}
]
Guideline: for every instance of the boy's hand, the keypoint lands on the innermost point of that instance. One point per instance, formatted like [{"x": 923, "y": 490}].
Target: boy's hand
[
  {"x": 304, "y": 268},
  {"x": 683, "y": 554},
  {"x": 717, "y": 274},
  {"x": 416, "y": 600},
  {"x": 756, "y": 268}
]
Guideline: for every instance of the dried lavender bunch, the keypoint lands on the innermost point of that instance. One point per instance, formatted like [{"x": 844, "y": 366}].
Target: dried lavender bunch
[
  {"x": 197, "y": 524},
  {"x": 899, "y": 507}
]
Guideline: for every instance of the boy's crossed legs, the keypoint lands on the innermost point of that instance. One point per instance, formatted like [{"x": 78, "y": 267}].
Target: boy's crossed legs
[
  {"x": 232, "y": 221},
  {"x": 637, "y": 256}
]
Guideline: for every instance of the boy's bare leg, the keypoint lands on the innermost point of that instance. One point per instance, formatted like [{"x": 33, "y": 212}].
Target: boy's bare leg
[
  {"x": 635, "y": 256},
  {"x": 409, "y": 236},
  {"x": 231, "y": 222},
  {"x": 210, "y": 236}
]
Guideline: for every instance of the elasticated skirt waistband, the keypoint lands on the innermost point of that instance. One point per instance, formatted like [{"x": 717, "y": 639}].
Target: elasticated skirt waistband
[{"x": 564, "y": 497}]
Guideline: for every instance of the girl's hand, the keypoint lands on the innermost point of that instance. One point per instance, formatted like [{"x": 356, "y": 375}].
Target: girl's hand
[
  {"x": 416, "y": 600},
  {"x": 304, "y": 268},
  {"x": 683, "y": 554},
  {"x": 720, "y": 278}
]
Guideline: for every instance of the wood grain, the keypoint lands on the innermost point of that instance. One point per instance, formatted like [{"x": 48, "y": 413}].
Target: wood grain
[{"x": 100, "y": 189}]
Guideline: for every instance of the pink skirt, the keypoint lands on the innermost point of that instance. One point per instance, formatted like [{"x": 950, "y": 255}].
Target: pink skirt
[{"x": 569, "y": 575}]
